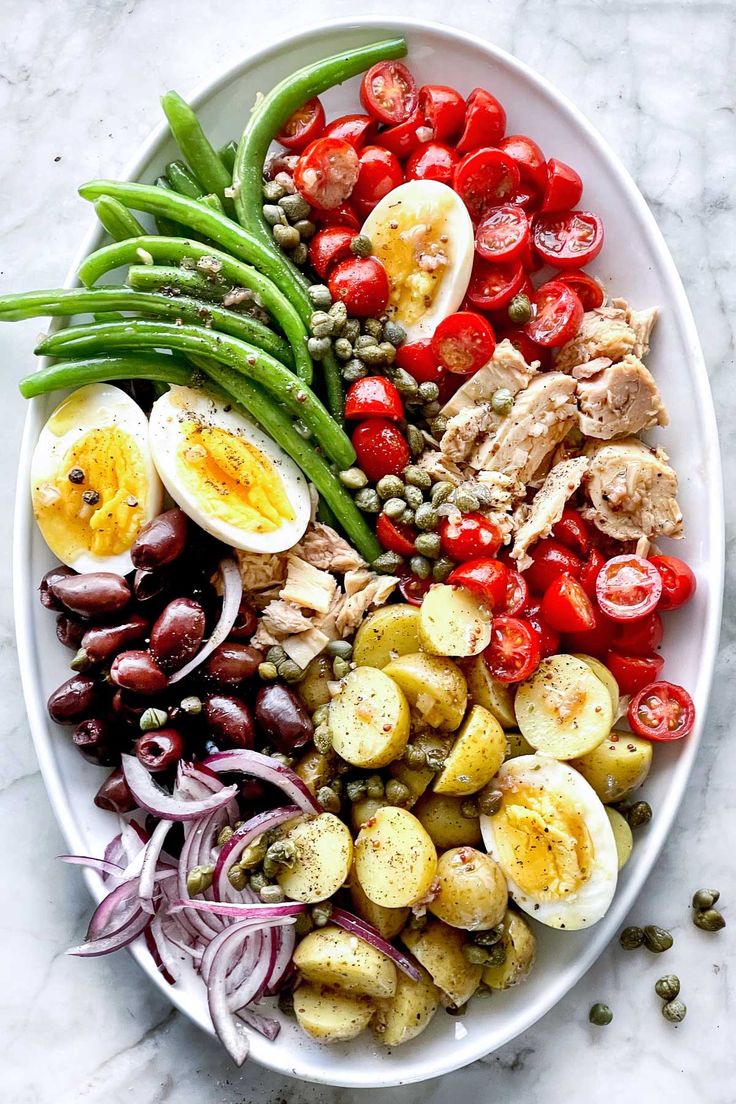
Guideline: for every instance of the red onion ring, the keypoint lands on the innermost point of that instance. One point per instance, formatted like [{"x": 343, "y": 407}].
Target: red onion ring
[
  {"x": 102, "y": 866},
  {"x": 239, "y": 912},
  {"x": 136, "y": 924},
  {"x": 268, "y": 770},
  {"x": 365, "y": 931},
  {"x": 232, "y": 592},
  {"x": 154, "y": 799}
]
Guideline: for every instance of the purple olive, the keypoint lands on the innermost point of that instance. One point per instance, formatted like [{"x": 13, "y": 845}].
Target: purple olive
[
  {"x": 73, "y": 700},
  {"x": 231, "y": 664},
  {"x": 93, "y": 738},
  {"x": 178, "y": 633},
  {"x": 46, "y": 595},
  {"x": 150, "y": 584},
  {"x": 95, "y": 594},
  {"x": 230, "y": 721},
  {"x": 161, "y": 541},
  {"x": 138, "y": 671},
  {"x": 102, "y": 642},
  {"x": 282, "y": 718},
  {"x": 246, "y": 623},
  {"x": 69, "y": 631},
  {"x": 158, "y": 751},
  {"x": 128, "y": 708},
  {"x": 114, "y": 794}
]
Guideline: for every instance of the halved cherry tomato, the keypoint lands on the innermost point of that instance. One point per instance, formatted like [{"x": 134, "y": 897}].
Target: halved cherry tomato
[
  {"x": 394, "y": 536},
  {"x": 379, "y": 172},
  {"x": 326, "y": 172},
  {"x": 304, "y": 126},
  {"x": 485, "y": 577},
  {"x": 633, "y": 673},
  {"x": 590, "y": 571},
  {"x": 528, "y": 198},
  {"x": 596, "y": 641},
  {"x": 361, "y": 284},
  {"x": 356, "y": 129},
  {"x": 328, "y": 247},
  {"x": 564, "y": 187},
  {"x": 549, "y": 638},
  {"x": 678, "y": 581},
  {"x": 404, "y": 139},
  {"x": 557, "y": 315},
  {"x": 432, "y": 161},
  {"x": 517, "y": 593},
  {"x": 503, "y": 234},
  {"x": 494, "y": 285},
  {"x": 381, "y": 448},
  {"x": 342, "y": 215},
  {"x": 389, "y": 92},
  {"x": 640, "y": 637},
  {"x": 569, "y": 240},
  {"x": 566, "y": 606},
  {"x": 374, "y": 397},
  {"x": 589, "y": 291},
  {"x": 573, "y": 531},
  {"x": 463, "y": 342},
  {"x": 444, "y": 110},
  {"x": 485, "y": 122},
  {"x": 418, "y": 359},
  {"x": 529, "y": 157},
  {"x": 521, "y": 341},
  {"x": 628, "y": 587},
  {"x": 550, "y": 559},
  {"x": 413, "y": 588},
  {"x": 469, "y": 536},
  {"x": 484, "y": 179},
  {"x": 514, "y": 652},
  {"x": 662, "y": 711}
]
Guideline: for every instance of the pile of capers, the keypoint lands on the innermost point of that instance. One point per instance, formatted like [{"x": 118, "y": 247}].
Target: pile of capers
[
  {"x": 705, "y": 916},
  {"x": 277, "y": 664},
  {"x": 487, "y": 947},
  {"x": 287, "y": 213}
]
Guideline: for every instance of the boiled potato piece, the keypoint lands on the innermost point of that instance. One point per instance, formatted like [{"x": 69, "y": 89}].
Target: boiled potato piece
[
  {"x": 517, "y": 745},
  {"x": 369, "y": 719},
  {"x": 324, "y": 854},
  {"x": 484, "y": 690},
  {"x": 417, "y": 779},
  {"x": 433, "y": 685},
  {"x": 622, "y": 834},
  {"x": 408, "y": 1012},
  {"x": 314, "y": 769},
  {"x": 388, "y": 921},
  {"x": 439, "y": 949},
  {"x": 520, "y": 945},
  {"x": 442, "y": 816},
  {"x": 395, "y": 859},
  {"x": 390, "y": 632},
  {"x": 330, "y": 1016},
  {"x": 314, "y": 687},
  {"x": 331, "y": 956},
  {"x": 453, "y": 622},
  {"x": 471, "y": 891},
  {"x": 617, "y": 766},
  {"x": 365, "y": 810},
  {"x": 601, "y": 671},
  {"x": 563, "y": 710},
  {"x": 476, "y": 755}
]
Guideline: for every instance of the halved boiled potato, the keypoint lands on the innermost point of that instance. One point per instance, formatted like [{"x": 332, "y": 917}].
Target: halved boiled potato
[
  {"x": 622, "y": 834},
  {"x": 389, "y": 632},
  {"x": 483, "y": 690},
  {"x": 369, "y": 719},
  {"x": 439, "y": 949},
  {"x": 453, "y": 622},
  {"x": 330, "y": 1016},
  {"x": 563, "y": 710},
  {"x": 517, "y": 745},
  {"x": 520, "y": 946},
  {"x": 324, "y": 853},
  {"x": 365, "y": 809},
  {"x": 387, "y": 921},
  {"x": 471, "y": 890},
  {"x": 442, "y": 816},
  {"x": 314, "y": 769},
  {"x": 408, "y": 1012},
  {"x": 476, "y": 755},
  {"x": 434, "y": 687},
  {"x": 616, "y": 766},
  {"x": 331, "y": 956},
  {"x": 417, "y": 779},
  {"x": 601, "y": 671},
  {"x": 395, "y": 859}
]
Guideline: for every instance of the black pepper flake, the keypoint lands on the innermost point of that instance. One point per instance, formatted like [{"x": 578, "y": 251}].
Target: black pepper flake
[
  {"x": 91, "y": 497},
  {"x": 76, "y": 475}
]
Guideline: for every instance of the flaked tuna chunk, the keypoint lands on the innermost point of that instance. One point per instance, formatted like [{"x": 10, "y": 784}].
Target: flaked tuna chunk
[
  {"x": 605, "y": 332},
  {"x": 642, "y": 323},
  {"x": 467, "y": 431},
  {"x": 632, "y": 491},
  {"x": 618, "y": 400},
  {"x": 547, "y": 506},
  {"x": 322, "y": 547},
  {"x": 506, "y": 368}
]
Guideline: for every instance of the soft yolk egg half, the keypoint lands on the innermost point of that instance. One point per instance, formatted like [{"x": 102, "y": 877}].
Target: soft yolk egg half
[
  {"x": 226, "y": 474},
  {"x": 93, "y": 482},
  {"x": 553, "y": 841},
  {"x": 422, "y": 234}
]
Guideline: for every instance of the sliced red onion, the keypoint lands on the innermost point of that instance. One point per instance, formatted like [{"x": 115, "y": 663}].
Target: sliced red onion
[
  {"x": 160, "y": 947},
  {"x": 285, "y": 938},
  {"x": 102, "y": 866},
  {"x": 155, "y": 953},
  {"x": 232, "y": 592},
  {"x": 115, "y": 853},
  {"x": 154, "y": 799},
  {"x": 239, "y": 912},
  {"x": 356, "y": 926},
  {"x": 152, "y": 854},
  {"x": 137, "y": 924},
  {"x": 264, "y": 1025},
  {"x": 114, "y": 911},
  {"x": 241, "y": 838},
  {"x": 268, "y": 770},
  {"x": 201, "y": 835}
]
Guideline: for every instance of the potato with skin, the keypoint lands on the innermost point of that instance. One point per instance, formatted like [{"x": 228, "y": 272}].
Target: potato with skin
[
  {"x": 408, "y": 1012},
  {"x": 517, "y": 745},
  {"x": 390, "y": 632},
  {"x": 563, "y": 710},
  {"x": 520, "y": 945},
  {"x": 364, "y": 810},
  {"x": 617, "y": 766},
  {"x": 443, "y": 819},
  {"x": 439, "y": 949},
  {"x": 331, "y": 1016},
  {"x": 314, "y": 688},
  {"x": 314, "y": 769},
  {"x": 483, "y": 690},
  {"x": 331, "y": 956},
  {"x": 324, "y": 854},
  {"x": 601, "y": 671},
  {"x": 471, "y": 890},
  {"x": 387, "y": 921},
  {"x": 395, "y": 859},
  {"x": 475, "y": 757},
  {"x": 369, "y": 719},
  {"x": 453, "y": 622},
  {"x": 622, "y": 835},
  {"x": 434, "y": 687},
  {"x": 417, "y": 779}
]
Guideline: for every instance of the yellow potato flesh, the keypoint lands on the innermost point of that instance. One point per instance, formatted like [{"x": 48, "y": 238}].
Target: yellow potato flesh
[
  {"x": 622, "y": 835},
  {"x": 471, "y": 890},
  {"x": 484, "y": 690},
  {"x": 439, "y": 949},
  {"x": 443, "y": 819},
  {"x": 434, "y": 687},
  {"x": 563, "y": 710},
  {"x": 453, "y": 622},
  {"x": 330, "y": 1016},
  {"x": 520, "y": 945},
  {"x": 395, "y": 859},
  {"x": 408, "y": 1012},
  {"x": 617, "y": 766},
  {"x": 334, "y": 957},
  {"x": 369, "y": 719},
  {"x": 324, "y": 853},
  {"x": 476, "y": 755},
  {"x": 390, "y": 632}
]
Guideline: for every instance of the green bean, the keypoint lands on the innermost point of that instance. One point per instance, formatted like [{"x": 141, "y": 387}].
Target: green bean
[
  {"x": 213, "y": 201},
  {"x": 77, "y": 373},
  {"x": 137, "y": 334},
  {"x": 183, "y": 180},
  {"x": 173, "y": 278},
  {"x": 227, "y": 155},
  {"x": 117, "y": 219},
  {"x": 102, "y": 316},
  {"x": 196, "y": 147},
  {"x": 69, "y": 301},
  {"x": 166, "y": 225}
]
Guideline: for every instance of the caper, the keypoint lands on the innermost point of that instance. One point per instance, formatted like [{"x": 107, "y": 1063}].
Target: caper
[
  {"x": 415, "y": 440},
  {"x": 657, "y": 939},
  {"x": 273, "y": 215},
  {"x": 442, "y": 569},
  {"x": 428, "y": 391},
  {"x": 417, "y": 923},
  {"x": 340, "y": 667},
  {"x": 290, "y": 671},
  {"x": 390, "y": 486},
  {"x": 328, "y": 799},
  {"x": 404, "y": 383},
  {"x": 431, "y": 409},
  {"x": 705, "y": 898},
  {"x": 441, "y": 492},
  {"x": 306, "y": 228},
  {"x": 303, "y": 925},
  {"x": 428, "y": 544},
  {"x": 273, "y": 191},
  {"x": 353, "y": 478},
  {"x": 674, "y": 1011},
  {"x": 354, "y": 370},
  {"x": 397, "y": 793},
  {"x": 407, "y": 518},
  {"x": 417, "y": 477},
  {"x": 394, "y": 508},
  {"x": 368, "y": 501},
  {"x": 631, "y": 938},
  {"x": 352, "y": 330},
  {"x": 374, "y": 787},
  {"x": 199, "y": 879},
  {"x": 710, "y": 920},
  {"x": 639, "y": 813},
  {"x": 257, "y": 881},
  {"x": 520, "y": 309},
  {"x": 361, "y": 245},
  {"x": 82, "y": 662},
  {"x": 489, "y": 937},
  {"x": 286, "y": 1000},
  {"x": 426, "y": 518},
  {"x": 667, "y": 987},
  {"x": 497, "y": 954},
  {"x": 321, "y": 324},
  {"x": 415, "y": 756},
  {"x": 489, "y": 801},
  {"x": 469, "y": 809},
  {"x": 414, "y": 497},
  {"x": 287, "y": 237},
  {"x": 373, "y": 355},
  {"x": 395, "y": 333},
  {"x": 152, "y": 719},
  {"x": 318, "y": 347},
  {"x": 388, "y": 563},
  {"x": 237, "y": 877},
  {"x": 465, "y": 500},
  {"x": 420, "y": 566},
  {"x": 295, "y": 206},
  {"x": 254, "y": 854},
  {"x": 321, "y": 739},
  {"x": 600, "y": 1015},
  {"x": 319, "y": 296},
  {"x": 438, "y": 426},
  {"x": 224, "y": 835},
  {"x": 321, "y": 715},
  {"x": 275, "y": 654},
  {"x": 475, "y": 955},
  {"x": 191, "y": 705},
  {"x": 502, "y": 401},
  {"x": 435, "y": 759},
  {"x": 321, "y": 913},
  {"x": 373, "y": 328},
  {"x": 365, "y": 341},
  {"x": 341, "y": 648},
  {"x": 280, "y": 854},
  {"x": 356, "y": 789}
]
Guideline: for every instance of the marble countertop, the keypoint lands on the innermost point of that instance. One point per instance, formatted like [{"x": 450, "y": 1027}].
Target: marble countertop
[{"x": 79, "y": 88}]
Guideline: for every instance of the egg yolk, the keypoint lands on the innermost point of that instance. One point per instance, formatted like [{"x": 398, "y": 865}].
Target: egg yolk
[
  {"x": 96, "y": 501},
  {"x": 413, "y": 245},
  {"x": 232, "y": 480},
  {"x": 543, "y": 843}
]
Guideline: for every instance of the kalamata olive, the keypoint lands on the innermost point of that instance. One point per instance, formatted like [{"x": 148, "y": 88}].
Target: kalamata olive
[
  {"x": 161, "y": 541},
  {"x": 282, "y": 718},
  {"x": 73, "y": 700},
  {"x": 246, "y": 623},
  {"x": 150, "y": 584},
  {"x": 102, "y": 642},
  {"x": 178, "y": 633},
  {"x": 114, "y": 794},
  {"x": 95, "y": 594},
  {"x": 69, "y": 631},
  {"x": 138, "y": 671},
  {"x": 128, "y": 707},
  {"x": 45, "y": 593},
  {"x": 230, "y": 721},
  {"x": 94, "y": 740},
  {"x": 231, "y": 664},
  {"x": 158, "y": 751}
]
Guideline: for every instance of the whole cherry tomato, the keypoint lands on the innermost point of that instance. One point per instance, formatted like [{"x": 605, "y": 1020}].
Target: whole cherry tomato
[
  {"x": 628, "y": 587},
  {"x": 361, "y": 284},
  {"x": 444, "y": 110},
  {"x": 633, "y": 673},
  {"x": 528, "y": 156},
  {"x": 485, "y": 122},
  {"x": 394, "y": 536},
  {"x": 343, "y": 215},
  {"x": 514, "y": 652},
  {"x": 487, "y": 578},
  {"x": 304, "y": 126},
  {"x": 388, "y": 92},
  {"x": 379, "y": 172},
  {"x": 374, "y": 397},
  {"x": 403, "y": 140},
  {"x": 640, "y": 637},
  {"x": 550, "y": 559},
  {"x": 566, "y": 606},
  {"x": 432, "y": 161},
  {"x": 484, "y": 179},
  {"x": 568, "y": 240},
  {"x": 503, "y": 234},
  {"x": 468, "y": 537},
  {"x": 358, "y": 130},
  {"x": 494, "y": 285},
  {"x": 463, "y": 342},
  {"x": 328, "y": 247},
  {"x": 678, "y": 581},
  {"x": 564, "y": 187},
  {"x": 589, "y": 291},
  {"x": 381, "y": 448},
  {"x": 557, "y": 315},
  {"x": 418, "y": 359},
  {"x": 326, "y": 172},
  {"x": 663, "y": 711},
  {"x": 573, "y": 531},
  {"x": 596, "y": 641},
  {"x": 590, "y": 572},
  {"x": 549, "y": 638}
]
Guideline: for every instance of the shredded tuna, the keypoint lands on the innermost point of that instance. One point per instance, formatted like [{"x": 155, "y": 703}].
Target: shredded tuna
[
  {"x": 618, "y": 400},
  {"x": 604, "y": 332},
  {"x": 376, "y": 592},
  {"x": 632, "y": 491},
  {"x": 547, "y": 506},
  {"x": 281, "y": 618},
  {"x": 506, "y": 368},
  {"x": 322, "y": 547}
]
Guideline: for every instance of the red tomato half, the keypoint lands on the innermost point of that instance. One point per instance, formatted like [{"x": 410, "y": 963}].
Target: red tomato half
[
  {"x": 517, "y": 593},
  {"x": 589, "y": 291},
  {"x": 566, "y": 606},
  {"x": 374, "y": 397},
  {"x": 514, "y": 652},
  {"x": 395, "y": 536},
  {"x": 381, "y": 448},
  {"x": 550, "y": 559},
  {"x": 549, "y": 638},
  {"x": 529, "y": 157},
  {"x": 564, "y": 187},
  {"x": 596, "y": 641},
  {"x": 463, "y": 342},
  {"x": 379, "y": 172},
  {"x": 361, "y": 284},
  {"x": 590, "y": 572},
  {"x": 388, "y": 92},
  {"x": 678, "y": 581},
  {"x": 573, "y": 531},
  {"x": 662, "y": 711},
  {"x": 521, "y": 341},
  {"x": 304, "y": 126},
  {"x": 484, "y": 179},
  {"x": 418, "y": 359},
  {"x": 640, "y": 637},
  {"x": 485, "y": 122},
  {"x": 432, "y": 161},
  {"x": 557, "y": 315},
  {"x": 503, "y": 235},
  {"x": 492, "y": 286},
  {"x": 628, "y": 587},
  {"x": 469, "y": 536},
  {"x": 413, "y": 588},
  {"x": 403, "y": 140},
  {"x": 486, "y": 577},
  {"x": 358, "y": 130},
  {"x": 444, "y": 110},
  {"x": 326, "y": 172},
  {"x": 342, "y": 215},
  {"x": 328, "y": 247},
  {"x": 569, "y": 240},
  {"x": 633, "y": 673}
]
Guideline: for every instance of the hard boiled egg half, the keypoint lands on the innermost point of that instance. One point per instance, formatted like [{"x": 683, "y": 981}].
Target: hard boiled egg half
[
  {"x": 553, "y": 841},
  {"x": 226, "y": 474},
  {"x": 93, "y": 482},
  {"x": 422, "y": 234}
]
